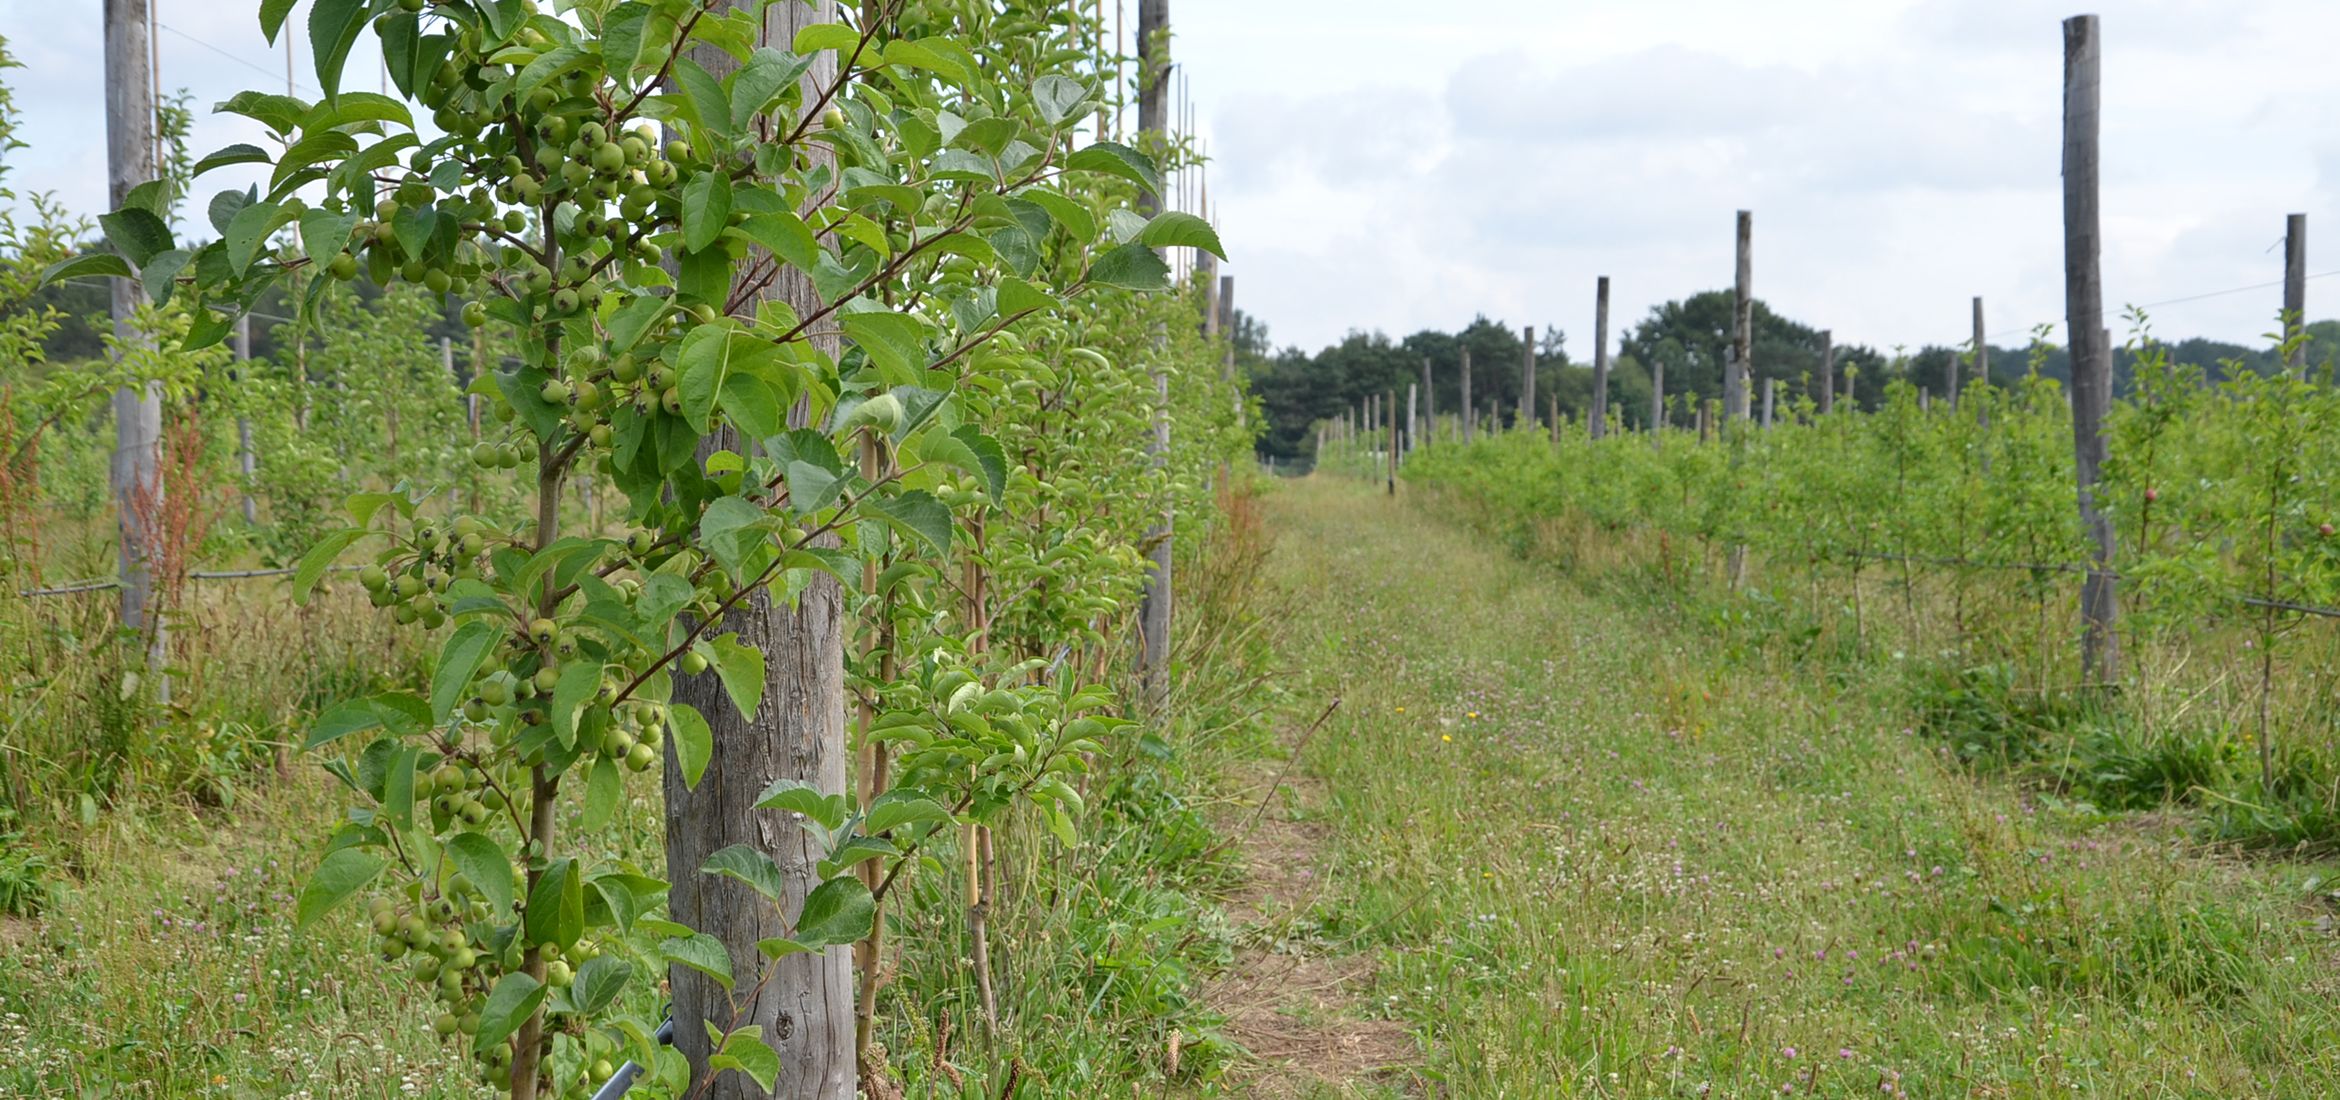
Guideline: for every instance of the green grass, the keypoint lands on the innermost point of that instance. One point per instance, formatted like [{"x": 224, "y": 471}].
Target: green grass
[{"x": 1600, "y": 855}]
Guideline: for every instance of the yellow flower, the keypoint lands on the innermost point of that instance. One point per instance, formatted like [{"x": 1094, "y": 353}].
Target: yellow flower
[
  {"x": 1401, "y": 710},
  {"x": 1486, "y": 874},
  {"x": 1472, "y": 714},
  {"x": 1446, "y": 737}
]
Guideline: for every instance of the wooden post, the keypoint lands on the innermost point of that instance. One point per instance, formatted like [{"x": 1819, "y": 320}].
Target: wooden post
[
  {"x": 1848, "y": 389},
  {"x": 1600, "y": 389},
  {"x": 1389, "y": 404},
  {"x": 1527, "y": 380},
  {"x": 247, "y": 462},
  {"x": 1735, "y": 385},
  {"x": 1552, "y": 403},
  {"x": 1429, "y": 430},
  {"x": 135, "y": 474},
  {"x": 1982, "y": 352},
  {"x": 1827, "y": 371},
  {"x": 1770, "y": 398},
  {"x": 1470, "y": 412},
  {"x": 2295, "y": 291},
  {"x": 1413, "y": 418},
  {"x": 1155, "y": 604},
  {"x": 1657, "y": 404},
  {"x": 2091, "y": 349},
  {"x": 805, "y": 1006}
]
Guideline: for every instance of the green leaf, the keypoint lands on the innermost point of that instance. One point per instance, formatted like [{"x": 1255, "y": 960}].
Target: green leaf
[
  {"x": 741, "y": 668},
  {"x": 88, "y": 265},
  {"x": 895, "y": 809},
  {"x": 160, "y": 275},
  {"x": 785, "y": 235},
  {"x": 599, "y": 982},
  {"x": 704, "y": 94},
  {"x": 459, "y": 660},
  {"x": 483, "y": 862},
  {"x": 812, "y": 487},
  {"x": 136, "y": 233},
  {"x": 640, "y": 313},
  {"x": 334, "y": 26},
  {"x": 1115, "y": 159},
  {"x": 1058, "y": 97},
  {"x": 797, "y": 796},
  {"x": 342, "y": 873},
  {"x": 663, "y": 594},
  {"x": 621, "y": 39},
  {"x": 700, "y": 952},
  {"x": 744, "y": 1050},
  {"x": 749, "y": 866},
  {"x": 578, "y": 683},
  {"x": 514, "y": 999},
  {"x": 603, "y": 789},
  {"x": 837, "y": 911},
  {"x": 917, "y": 514},
  {"x": 272, "y": 13},
  {"x": 320, "y": 558},
  {"x": 760, "y": 81},
  {"x": 826, "y": 36},
  {"x": 694, "y": 743},
  {"x": 894, "y": 342},
  {"x": 1131, "y": 266},
  {"x": 249, "y": 231},
  {"x": 325, "y": 234},
  {"x": 730, "y": 529},
  {"x": 969, "y": 449},
  {"x": 1178, "y": 229},
  {"x": 556, "y": 906}
]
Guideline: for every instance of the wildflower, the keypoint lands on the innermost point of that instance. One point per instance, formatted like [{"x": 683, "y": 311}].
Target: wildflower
[
  {"x": 1401, "y": 710},
  {"x": 1446, "y": 737},
  {"x": 1471, "y": 714},
  {"x": 1788, "y": 1053}
]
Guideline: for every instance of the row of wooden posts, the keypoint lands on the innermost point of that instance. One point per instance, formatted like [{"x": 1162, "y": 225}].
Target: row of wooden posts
[{"x": 2090, "y": 342}]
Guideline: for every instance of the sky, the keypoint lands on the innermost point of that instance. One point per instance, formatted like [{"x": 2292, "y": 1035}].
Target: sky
[{"x": 1378, "y": 168}]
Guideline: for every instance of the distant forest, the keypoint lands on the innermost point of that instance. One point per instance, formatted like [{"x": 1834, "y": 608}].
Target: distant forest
[{"x": 1690, "y": 336}]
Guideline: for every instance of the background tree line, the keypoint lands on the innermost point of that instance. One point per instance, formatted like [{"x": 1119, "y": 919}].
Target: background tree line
[{"x": 1691, "y": 336}]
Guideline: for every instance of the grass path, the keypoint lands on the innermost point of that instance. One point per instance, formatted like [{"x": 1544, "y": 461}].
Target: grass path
[{"x": 1580, "y": 851}]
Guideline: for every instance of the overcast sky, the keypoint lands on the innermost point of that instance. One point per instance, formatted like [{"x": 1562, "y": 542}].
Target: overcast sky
[{"x": 1379, "y": 168}]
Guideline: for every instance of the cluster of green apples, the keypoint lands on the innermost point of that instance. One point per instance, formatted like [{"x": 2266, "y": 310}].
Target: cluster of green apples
[{"x": 412, "y": 580}]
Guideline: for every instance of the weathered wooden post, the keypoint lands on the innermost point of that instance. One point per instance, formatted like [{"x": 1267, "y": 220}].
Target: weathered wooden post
[
  {"x": 1429, "y": 422},
  {"x": 1657, "y": 404},
  {"x": 1390, "y": 416},
  {"x": 1982, "y": 352},
  {"x": 2295, "y": 291},
  {"x": 1413, "y": 418},
  {"x": 797, "y": 731},
  {"x": 1469, "y": 412},
  {"x": 135, "y": 474},
  {"x": 1527, "y": 379},
  {"x": 1600, "y": 389},
  {"x": 247, "y": 462},
  {"x": 2091, "y": 347},
  {"x": 1155, "y": 602},
  {"x": 1827, "y": 370},
  {"x": 1770, "y": 398},
  {"x": 1735, "y": 383}
]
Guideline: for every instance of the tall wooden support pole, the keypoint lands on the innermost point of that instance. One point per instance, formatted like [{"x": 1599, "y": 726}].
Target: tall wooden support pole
[
  {"x": 136, "y": 470},
  {"x": 1153, "y": 50},
  {"x": 1657, "y": 403},
  {"x": 2295, "y": 291},
  {"x": 1389, "y": 405},
  {"x": 1527, "y": 380},
  {"x": 1600, "y": 393},
  {"x": 1429, "y": 421},
  {"x": 1735, "y": 385},
  {"x": 804, "y": 1009},
  {"x": 247, "y": 462},
  {"x": 2091, "y": 349},
  {"x": 1469, "y": 412},
  {"x": 1827, "y": 371},
  {"x": 1770, "y": 398},
  {"x": 1413, "y": 417},
  {"x": 1982, "y": 351}
]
